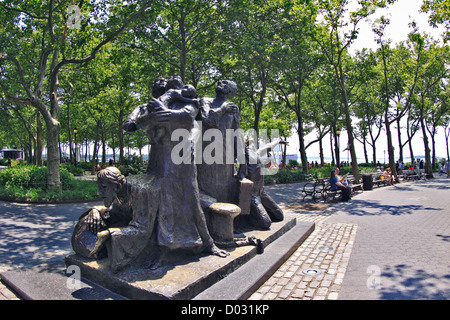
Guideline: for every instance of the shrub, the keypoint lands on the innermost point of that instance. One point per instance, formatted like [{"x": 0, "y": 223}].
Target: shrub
[
  {"x": 285, "y": 176},
  {"x": 86, "y": 166},
  {"x": 82, "y": 190},
  {"x": 290, "y": 176},
  {"x": 132, "y": 169},
  {"x": 29, "y": 183},
  {"x": 76, "y": 171},
  {"x": 293, "y": 163}
]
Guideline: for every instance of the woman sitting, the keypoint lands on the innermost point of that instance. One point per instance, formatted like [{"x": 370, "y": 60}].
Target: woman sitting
[
  {"x": 337, "y": 185},
  {"x": 387, "y": 174}
]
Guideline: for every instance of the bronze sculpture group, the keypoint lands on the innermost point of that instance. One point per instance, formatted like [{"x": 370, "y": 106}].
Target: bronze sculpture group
[{"x": 176, "y": 206}]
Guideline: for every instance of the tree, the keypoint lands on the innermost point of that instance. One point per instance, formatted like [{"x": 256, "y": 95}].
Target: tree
[
  {"x": 365, "y": 100},
  {"x": 17, "y": 117},
  {"x": 42, "y": 42},
  {"x": 254, "y": 29},
  {"x": 334, "y": 33},
  {"x": 433, "y": 69},
  {"x": 446, "y": 126},
  {"x": 385, "y": 88},
  {"x": 300, "y": 59},
  {"x": 439, "y": 13},
  {"x": 184, "y": 38},
  {"x": 436, "y": 114}
]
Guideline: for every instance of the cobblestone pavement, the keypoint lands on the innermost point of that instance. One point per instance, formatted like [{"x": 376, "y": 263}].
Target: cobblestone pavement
[
  {"x": 317, "y": 268},
  {"x": 6, "y": 294},
  {"x": 315, "y": 271},
  {"x": 388, "y": 243}
]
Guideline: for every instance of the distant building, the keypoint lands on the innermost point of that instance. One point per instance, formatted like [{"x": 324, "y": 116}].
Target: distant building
[{"x": 10, "y": 153}]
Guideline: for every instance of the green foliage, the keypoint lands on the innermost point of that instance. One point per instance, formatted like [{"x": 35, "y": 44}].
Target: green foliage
[
  {"x": 439, "y": 13},
  {"x": 132, "y": 169},
  {"x": 81, "y": 190},
  {"x": 293, "y": 163},
  {"x": 132, "y": 165},
  {"x": 292, "y": 176},
  {"x": 76, "y": 171},
  {"x": 286, "y": 176},
  {"x": 29, "y": 183}
]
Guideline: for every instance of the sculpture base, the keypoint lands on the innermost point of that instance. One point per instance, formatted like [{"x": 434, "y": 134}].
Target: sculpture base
[{"x": 184, "y": 275}]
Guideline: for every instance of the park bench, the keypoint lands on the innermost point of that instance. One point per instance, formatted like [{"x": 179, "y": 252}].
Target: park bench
[
  {"x": 422, "y": 174},
  {"x": 415, "y": 174},
  {"x": 315, "y": 190},
  {"x": 379, "y": 181},
  {"x": 356, "y": 186},
  {"x": 320, "y": 189},
  {"x": 333, "y": 195}
]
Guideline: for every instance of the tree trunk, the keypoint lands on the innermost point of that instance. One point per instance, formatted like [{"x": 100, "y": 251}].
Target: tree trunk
[
  {"x": 103, "y": 148},
  {"x": 447, "y": 135},
  {"x": 400, "y": 145},
  {"x": 121, "y": 142},
  {"x": 336, "y": 148},
  {"x": 53, "y": 176},
  {"x": 390, "y": 147},
  {"x": 301, "y": 140},
  {"x": 322, "y": 161},
  {"x": 428, "y": 169},
  {"x": 348, "y": 124},
  {"x": 38, "y": 150},
  {"x": 433, "y": 152},
  {"x": 59, "y": 147},
  {"x": 331, "y": 146},
  {"x": 94, "y": 154},
  {"x": 31, "y": 145}
]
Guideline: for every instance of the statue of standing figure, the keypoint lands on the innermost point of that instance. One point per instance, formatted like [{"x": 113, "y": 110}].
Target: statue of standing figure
[
  {"x": 217, "y": 179},
  {"x": 145, "y": 217}
]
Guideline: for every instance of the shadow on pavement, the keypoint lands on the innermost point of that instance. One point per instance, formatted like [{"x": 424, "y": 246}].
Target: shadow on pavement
[
  {"x": 33, "y": 234},
  {"x": 374, "y": 207},
  {"x": 414, "y": 284}
]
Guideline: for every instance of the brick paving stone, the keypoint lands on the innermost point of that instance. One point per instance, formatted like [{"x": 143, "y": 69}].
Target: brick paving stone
[
  {"x": 333, "y": 296},
  {"x": 6, "y": 294},
  {"x": 310, "y": 256}
]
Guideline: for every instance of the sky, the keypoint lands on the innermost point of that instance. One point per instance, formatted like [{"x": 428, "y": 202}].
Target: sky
[{"x": 401, "y": 14}]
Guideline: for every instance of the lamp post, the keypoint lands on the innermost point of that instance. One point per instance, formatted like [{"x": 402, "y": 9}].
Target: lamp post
[
  {"x": 75, "y": 131},
  {"x": 338, "y": 158},
  {"x": 285, "y": 143}
]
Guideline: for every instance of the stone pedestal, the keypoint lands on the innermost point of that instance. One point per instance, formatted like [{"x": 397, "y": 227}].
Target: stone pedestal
[
  {"x": 183, "y": 276},
  {"x": 220, "y": 221},
  {"x": 243, "y": 193}
]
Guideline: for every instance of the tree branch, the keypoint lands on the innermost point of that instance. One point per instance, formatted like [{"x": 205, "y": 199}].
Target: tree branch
[
  {"x": 94, "y": 52},
  {"x": 20, "y": 71},
  {"x": 24, "y": 11}
]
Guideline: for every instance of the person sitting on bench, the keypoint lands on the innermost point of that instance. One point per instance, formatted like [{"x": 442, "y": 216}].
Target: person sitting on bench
[{"x": 337, "y": 185}]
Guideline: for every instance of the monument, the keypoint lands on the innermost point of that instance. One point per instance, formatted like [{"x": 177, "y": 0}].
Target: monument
[{"x": 178, "y": 217}]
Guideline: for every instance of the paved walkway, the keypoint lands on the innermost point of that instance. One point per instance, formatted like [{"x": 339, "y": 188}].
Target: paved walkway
[
  {"x": 35, "y": 234},
  {"x": 388, "y": 243}
]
